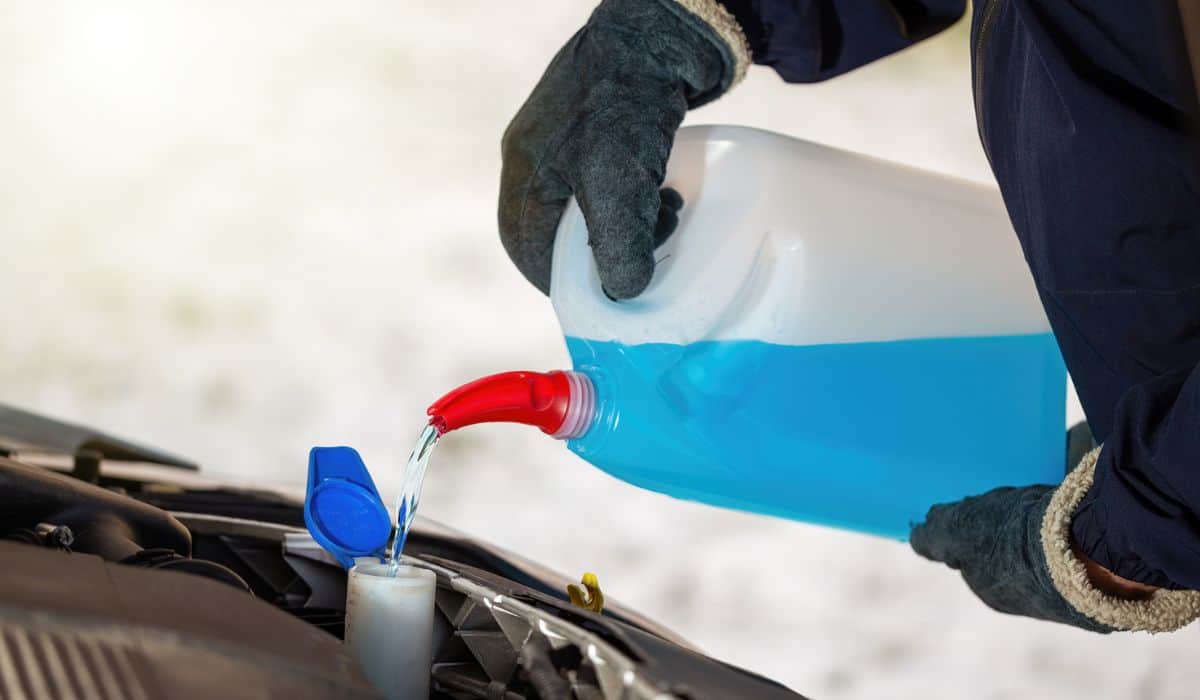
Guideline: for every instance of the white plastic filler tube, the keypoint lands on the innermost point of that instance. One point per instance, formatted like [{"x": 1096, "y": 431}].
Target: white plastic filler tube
[{"x": 389, "y": 626}]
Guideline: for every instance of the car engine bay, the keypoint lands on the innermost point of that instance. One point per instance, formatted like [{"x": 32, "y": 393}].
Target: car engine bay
[{"x": 127, "y": 576}]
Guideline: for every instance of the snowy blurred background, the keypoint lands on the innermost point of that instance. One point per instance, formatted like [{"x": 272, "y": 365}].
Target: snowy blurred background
[{"x": 235, "y": 230}]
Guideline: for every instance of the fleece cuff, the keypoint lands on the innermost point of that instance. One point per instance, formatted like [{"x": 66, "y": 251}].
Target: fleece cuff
[
  {"x": 1163, "y": 611},
  {"x": 727, "y": 30}
]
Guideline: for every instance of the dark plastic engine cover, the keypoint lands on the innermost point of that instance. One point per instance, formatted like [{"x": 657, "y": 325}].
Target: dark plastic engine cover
[{"x": 73, "y": 625}]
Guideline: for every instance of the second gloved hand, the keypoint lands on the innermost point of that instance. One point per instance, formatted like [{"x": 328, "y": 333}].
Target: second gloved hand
[
  {"x": 600, "y": 125},
  {"x": 1013, "y": 548}
]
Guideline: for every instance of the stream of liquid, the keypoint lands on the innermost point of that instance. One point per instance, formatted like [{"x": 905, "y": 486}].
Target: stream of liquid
[{"x": 410, "y": 492}]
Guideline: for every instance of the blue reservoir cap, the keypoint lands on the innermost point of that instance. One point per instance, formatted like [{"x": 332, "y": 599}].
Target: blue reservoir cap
[{"x": 342, "y": 507}]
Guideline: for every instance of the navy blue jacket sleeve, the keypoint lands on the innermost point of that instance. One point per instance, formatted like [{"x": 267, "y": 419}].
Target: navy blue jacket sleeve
[
  {"x": 1088, "y": 111},
  {"x": 807, "y": 41}
]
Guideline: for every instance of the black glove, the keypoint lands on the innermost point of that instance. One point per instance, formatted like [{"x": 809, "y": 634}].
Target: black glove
[
  {"x": 600, "y": 125},
  {"x": 1013, "y": 548}
]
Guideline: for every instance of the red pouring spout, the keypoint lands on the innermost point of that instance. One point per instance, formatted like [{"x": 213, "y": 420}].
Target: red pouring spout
[{"x": 562, "y": 404}]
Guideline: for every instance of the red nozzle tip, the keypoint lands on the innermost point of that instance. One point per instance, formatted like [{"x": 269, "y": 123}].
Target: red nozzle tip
[
  {"x": 532, "y": 398},
  {"x": 438, "y": 423}
]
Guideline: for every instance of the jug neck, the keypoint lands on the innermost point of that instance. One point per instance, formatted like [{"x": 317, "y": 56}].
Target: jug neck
[{"x": 561, "y": 403}]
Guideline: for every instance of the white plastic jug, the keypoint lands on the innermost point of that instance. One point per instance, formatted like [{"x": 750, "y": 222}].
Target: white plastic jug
[{"x": 827, "y": 337}]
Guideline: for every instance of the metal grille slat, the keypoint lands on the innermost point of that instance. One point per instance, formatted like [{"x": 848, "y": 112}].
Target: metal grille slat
[
  {"x": 58, "y": 673},
  {"x": 53, "y": 664},
  {"x": 95, "y": 654},
  {"x": 9, "y": 678},
  {"x": 78, "y": 669},
  {"x": 131, "y": 686},
  {"x": 31, "y": 668}
]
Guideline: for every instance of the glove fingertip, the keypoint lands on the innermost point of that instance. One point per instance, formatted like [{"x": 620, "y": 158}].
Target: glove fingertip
[
  {"x": 918, "y": 539},
  {"x": 929, "y": 537},
  {"x": 668, "y": 220},
  {"x": 671, "y": 199},
  {"x": 628, "y": 277}
]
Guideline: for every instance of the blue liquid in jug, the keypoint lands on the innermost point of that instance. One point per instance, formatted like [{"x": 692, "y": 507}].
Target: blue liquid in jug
[{"x": 864, "y": 436}]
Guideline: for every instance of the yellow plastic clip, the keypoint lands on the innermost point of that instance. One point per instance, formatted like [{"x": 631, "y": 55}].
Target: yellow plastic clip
[{"x": 586, "y": 594}]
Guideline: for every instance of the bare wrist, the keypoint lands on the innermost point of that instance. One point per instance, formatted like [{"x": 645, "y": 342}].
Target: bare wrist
[{"x": 1109, "y": 583}]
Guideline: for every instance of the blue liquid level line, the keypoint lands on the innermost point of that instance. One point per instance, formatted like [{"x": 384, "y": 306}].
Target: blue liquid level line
[{"x": 864, "y": 436}]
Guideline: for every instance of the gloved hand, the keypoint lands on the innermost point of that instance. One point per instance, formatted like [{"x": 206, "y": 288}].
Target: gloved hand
[
  {"x": 1013, "y": 548},
  {"x": 600, "y": 125}
]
